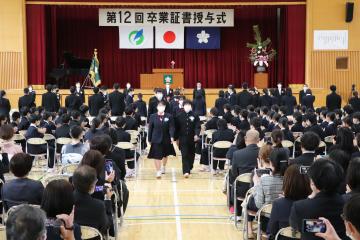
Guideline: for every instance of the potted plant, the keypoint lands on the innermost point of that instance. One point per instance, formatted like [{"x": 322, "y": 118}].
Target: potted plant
[{"x": 261, "y": 52}]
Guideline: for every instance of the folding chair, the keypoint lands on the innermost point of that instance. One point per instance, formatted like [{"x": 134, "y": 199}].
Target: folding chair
[
  {"x": 45, "y": 181},
  {"x": 129, "y": 146},
  {"x": 288, "y": 144},
  {"x": 18, "y": 138},
  {"x": 59, "y": 143},
  {"x": 207, "y": 135},
  {"x": 48, "y": 137},
  {"x": 220, "y": 145},
  {"x": 38, "y": 142},
  {"x": 90, "y": 232},
  {"x": 244, "y": 178},
  {"x": 289, "y": 233},
  {"x": 322, "y": 144},
  {"x": 69, "y": 169},
  {"x": 22, "y": 132},
  {"x": 263, "y": 211},
  {"x": 2, "y": 232}
]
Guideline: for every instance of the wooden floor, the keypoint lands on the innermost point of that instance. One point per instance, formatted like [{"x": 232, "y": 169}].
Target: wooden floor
[{"x": 176, "y": 208}]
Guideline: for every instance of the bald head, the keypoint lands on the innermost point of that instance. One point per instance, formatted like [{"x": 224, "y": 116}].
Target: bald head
[{"x": 252, "y": 137}]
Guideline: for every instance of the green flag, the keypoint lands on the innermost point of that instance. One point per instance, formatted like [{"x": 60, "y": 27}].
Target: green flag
[{"x": 94, "y": 71}]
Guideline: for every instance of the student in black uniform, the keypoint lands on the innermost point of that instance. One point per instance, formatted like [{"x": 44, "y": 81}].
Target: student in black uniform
[
  {"x": 220, "y": 102},
  {"x": 231, "y": 95},
  {"x": 73, "y": 101},
  {"x": 35, "y": 132},
  {"x": 27, "y": 100},
  {"x": 308, "y": 100},
  {"x": 80, "y": 92},
  {"x": 129, "y": 99},
  {"x": 212, "y": 122},
  {"x": 227, "y": 113},
  {"x": 141, "y": 105},
  {"x": 96, "y": 102},
  {"x": 117, "y": 101},
  {"x": 333, "y": 100},
  {"x": 130, "y": 122},
  {"x": 24, "y": 122},
  {"x": 104, "y": 94},
  {"x": 161, "y": 137},
  {"x": 4, "y": 105},
  {"x": 187, "y": 132},
  {"x": 199, "y": 90},
  {"x": 154, "y": 101},
  {"x": 47, "y": 123},
  {"x": 244, "y": 98},
  {"x": 64, "y": 129},
  {"x": 50, "y": 102}
]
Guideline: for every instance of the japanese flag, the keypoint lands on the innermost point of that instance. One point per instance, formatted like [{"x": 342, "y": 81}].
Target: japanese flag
[{"x": 169, "y": 37}]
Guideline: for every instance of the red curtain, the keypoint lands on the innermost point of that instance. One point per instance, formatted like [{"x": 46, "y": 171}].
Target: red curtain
[{"x": 75, "y": 29}]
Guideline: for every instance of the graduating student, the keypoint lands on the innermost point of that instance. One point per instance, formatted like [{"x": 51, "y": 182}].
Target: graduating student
[
  {"x": 187, "y": 132},
  {"x": 141, "y": 105},
  {"x": 27, "y": 100},
  {"x": 289, "y": 101},
  {"x": 130, "y": 121},
  {"x": 80, "y": 92},
  {"x": 278, "y": 93},
  {"x": 127, "y": 88},
  {"x": 64, "y": 129},
  {"x": 96, "y": 102},
  {"x": 168, "y": 92},
  {"x": 50, "y": 101},
  {"x": 302, "y": 93},
  {"x": 308, "y": 100},
  {"x": 24, "y": 122},
  {"x": 154, "y": 101},
  {"x": 333, "y": 100},
  {"x": 4, "y": 105},
  {"x": 199, "y": 90},
  {"x": 117, "y": 101},
  {"x": 104, "y": 94},
  {"x": 231, "y": 95},
  {"x": 129, "y": 99},
  {"x": 161, "y": 137},
  {"x": 73, "y": 101},
  {"x": 244, "y": 98},
  {"x": 220, "y": 102}
]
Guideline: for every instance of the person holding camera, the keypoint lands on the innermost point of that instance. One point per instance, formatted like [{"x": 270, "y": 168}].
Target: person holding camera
[{"x": 90, "y": 211}]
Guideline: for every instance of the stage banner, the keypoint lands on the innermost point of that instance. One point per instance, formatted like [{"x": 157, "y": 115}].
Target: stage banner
[
  {"x": 136, "y": 37},
  {"x": 169, "y": 37},
  {"x": 203, "y": 38},
  {"x": 160, "y": 17}
]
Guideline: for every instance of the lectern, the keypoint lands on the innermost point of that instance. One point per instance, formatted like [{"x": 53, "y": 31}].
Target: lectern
[
  {"x": 261, "y": 80},
  {"x": 157, "y": 77}
]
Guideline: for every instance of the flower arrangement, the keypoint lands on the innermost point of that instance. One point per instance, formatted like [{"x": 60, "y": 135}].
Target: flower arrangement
[{"x": 260, "y": 51}]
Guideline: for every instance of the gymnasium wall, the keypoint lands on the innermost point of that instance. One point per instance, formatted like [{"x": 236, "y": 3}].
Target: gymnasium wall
[
  {"x": 12, "y": 44},
  {"x": 321, "y": 65}
]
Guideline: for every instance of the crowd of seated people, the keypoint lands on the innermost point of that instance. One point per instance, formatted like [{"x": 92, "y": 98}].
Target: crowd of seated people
[{"x": 313, "y": 178}]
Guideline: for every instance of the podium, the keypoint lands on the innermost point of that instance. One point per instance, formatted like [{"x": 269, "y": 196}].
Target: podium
[
  {"x": 156, "y": 78},
  {"x": 261, "y": 80}
]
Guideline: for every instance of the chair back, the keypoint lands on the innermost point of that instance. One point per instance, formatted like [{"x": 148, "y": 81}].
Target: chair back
[
  {"x": 36, "y": 141},
  {"x": 287, "y": 143},
  {"x": 45, "y": 181},
  {"x": 288, "y": 232},
  {"x": 18, "y": 137},
  {"x": 69, "y": 169},
  {"x": 90, "y": 232},
  {"x": 322, "y": 144},
  {"x": 125, "y": 145},
  {"x": 48, "y": 137},
  {"x": 70, "y": 158},
  {"x": 329, "y": 139},
  {"x": 222, "y": 144},
  {"x": 63, "y": 141},
  {"x": 22, "y": 132},
  {"x": 245, "y": 177}
]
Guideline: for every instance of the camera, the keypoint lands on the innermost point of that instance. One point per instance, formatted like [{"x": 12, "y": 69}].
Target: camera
[
  {"x": 313, "y": 226},
  {"x": 304, "y": 169},
  {"x": 260, "y": 172}
]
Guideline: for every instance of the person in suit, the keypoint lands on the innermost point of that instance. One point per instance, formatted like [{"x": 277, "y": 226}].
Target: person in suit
[
  {"x": 278, "y": 93},
  {"x": 199, "y": 90},
  {"x": 32, "y": 92},
  {"x": 168, "y": 92},
  {"x": 266, "y": 99},
  {"x": 84, "y": 180},
  {"x": 309, "y": 142},
  {"x": 231, "y": 95},
  {"x": 130, "y": 122},
  {"x": 50, "y": 101},
  {"x": 296, "y": 186},
  {"x": 244, "y": 98},
  {"x": 96, "y": 102},
  {"x": 289, "y": 101},
  {"x": 325, "y": 179},
  {"x": 27, "y": 100},
  {"x": 117, "y": 101},
  {"x": 187, "y": 125},
  {"x": 79, "y": 91},
  {"x": 220, "y": 102},
  {"x": 73, "y": 101},
  {"x": 222, "y": 134},
  {"x": 129, "y": 99},
  {"x": 199, "y": 105},
  {"x": 64, "y": 129},
  {"x": 333, "y": 100},
  {"x": 311, "y": 122},
  {"x": 104, "y": 94},
  {"x": 161, "y": 136},
  {"x": 354, "y": 101},
  {"x": 308, "y": 100},
  {"x": 141, "y": 105},
  {"x": 302, "y": 93},
  {"x": 21, "y": 189},
  {"x": 4, "y": 105}
]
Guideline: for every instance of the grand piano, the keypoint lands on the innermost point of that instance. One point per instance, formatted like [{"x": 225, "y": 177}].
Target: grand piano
[{"x": 72, "y": 66}]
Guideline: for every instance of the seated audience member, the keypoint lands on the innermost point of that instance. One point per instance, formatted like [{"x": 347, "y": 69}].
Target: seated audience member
[
  {"x": 356, "y": 122},
  {"x": 21, "y": 189},
  {"x": 118, "y": 156},
  {"x": 268, "y": 187},
  {"x": 237, "y": 145},
  {"x": 325, "y": 179},
  {"x": 122, "y": 135},
  {"x": 130, "y": 121},
  {"x": 8, "y": 146},
  {"x": 74, "y": 151},
  {"x": 58, "y": 199},
  {"x": 64, "y": 129},
  {"x": 75, "y": 119},
  {"x": 284, "y": 127},
  {"x": 47, "y": 123},
  {"x": 255, "y": 123},
  {"x": 244, "y": 124},
  {"x": 222, "y": 134},
  {"x": 227, "y": 113},
  {"x": 26, "y": 223},
  {"x": 24, "y": 122},
  {"x": 311, "y": 122},
  {"x": 34, "y": 131},
  {"x": 15, "y": 120},
  {"x": 353, "y": 179},
  {"x": 212, "y": 122},
  {"x": 344, "y": 140},
  {"x": 90, "y": 211},
  {"x": 351, "y": 220},
  {"x": 95, "y": 129},
  {"x": 309, "y": 143},
  {"x": 330, "y": 128},
  {"x": 357, "y": 147},
  {"x": 296, "y": 186}
]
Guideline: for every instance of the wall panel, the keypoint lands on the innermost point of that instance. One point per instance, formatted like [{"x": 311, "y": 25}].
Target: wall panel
[{"x": 11, "y": 70}]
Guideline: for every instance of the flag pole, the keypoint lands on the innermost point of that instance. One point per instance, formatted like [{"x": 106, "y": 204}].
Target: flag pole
[{"x": 88, "y": 82}]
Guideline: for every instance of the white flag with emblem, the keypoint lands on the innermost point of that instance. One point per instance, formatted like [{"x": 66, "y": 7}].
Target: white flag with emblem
[
  {"x": 169, "y": 37},
  {"x": 136, "y": 37}
]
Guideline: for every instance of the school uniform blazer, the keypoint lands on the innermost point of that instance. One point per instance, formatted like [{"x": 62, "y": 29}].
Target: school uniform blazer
[
  {"x": 24, "y": 124},
  {"x": 161, "y": 131},
  {"x": 219, "y": 104},
  {"x": 333, "y": 101},
  {"x": 244, "y": 99},
  {"x": 305, "y": 159},
  {"x": 5, "y": 106},
  {"x": 141, "y": 108},
  {"x": 330, "y": 130},
  {"x": 131, "y": 123},
  {"x": 73, "y": 102},
  {"x": 96, "y": 102},
  {"x": 187, "y": 126},
  {"x": 26, "y": 101},
  {"x": 63, "y": 131},
  {"x": 233, "y": 99},
  {"x": 50, "y": 102},
  {"x": 117, "y": 103},
  {"x": 308, "y": 101},
  {"x": 265, "y": 100}
]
